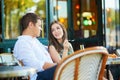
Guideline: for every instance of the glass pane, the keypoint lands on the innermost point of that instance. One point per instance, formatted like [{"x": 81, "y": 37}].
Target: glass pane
[
  {"x": 60, "y": 11},
  {"x": 112, "y": 23},
  {"x": 85, "y": 18},
  {"x": 0, "y": 23},
  {"x": 14, "y": 9}
]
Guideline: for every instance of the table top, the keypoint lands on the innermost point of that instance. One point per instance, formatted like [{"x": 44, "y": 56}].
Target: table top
[
  {"x": 15, "y": 71},
  {"x": 112, "y": 61}
]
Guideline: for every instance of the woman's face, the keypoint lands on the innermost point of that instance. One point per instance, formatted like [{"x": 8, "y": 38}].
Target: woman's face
[{"x": 57, "y": 31}]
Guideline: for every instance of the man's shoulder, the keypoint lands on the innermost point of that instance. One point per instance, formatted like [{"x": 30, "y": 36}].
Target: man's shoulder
[{"x": 20, "y": 41}]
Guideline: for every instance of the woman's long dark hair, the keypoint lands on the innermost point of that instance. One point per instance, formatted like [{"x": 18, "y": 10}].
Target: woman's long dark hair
[{"x": 52, "y": 39}]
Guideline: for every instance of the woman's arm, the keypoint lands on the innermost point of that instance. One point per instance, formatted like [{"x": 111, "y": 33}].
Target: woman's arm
[{"x": 54, "y": 54}]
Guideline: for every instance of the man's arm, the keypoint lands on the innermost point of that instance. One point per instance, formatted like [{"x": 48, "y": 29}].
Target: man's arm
[{"x": 48, "y": 65}]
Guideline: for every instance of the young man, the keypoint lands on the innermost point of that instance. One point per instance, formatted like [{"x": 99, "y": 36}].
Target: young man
[{"x": 30, "y": 51}]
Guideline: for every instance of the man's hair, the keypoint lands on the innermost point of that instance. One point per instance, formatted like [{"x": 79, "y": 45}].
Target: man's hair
[{"x": 24, "y": 21}]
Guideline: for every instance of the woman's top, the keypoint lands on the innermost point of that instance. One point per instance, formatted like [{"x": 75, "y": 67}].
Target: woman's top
[{"x": 70, "y": 51}]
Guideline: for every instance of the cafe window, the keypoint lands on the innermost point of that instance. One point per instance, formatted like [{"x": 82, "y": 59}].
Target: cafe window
[
  {"x": 111, "y": 18},
  {"x": 15, "y": 9},
  {"x": 60, "y": 11},
  {"x": 0, "y": 23},
  {"x": 85, "y": 20}
]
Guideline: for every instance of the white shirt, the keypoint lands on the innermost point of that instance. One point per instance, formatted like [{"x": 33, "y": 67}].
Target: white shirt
[{"x": 32, "y": 53}]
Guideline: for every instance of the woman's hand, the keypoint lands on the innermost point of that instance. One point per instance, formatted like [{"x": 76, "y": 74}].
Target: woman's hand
[
  {"x": 65, "y": 48},
  {"x": 66, "y": 45}
]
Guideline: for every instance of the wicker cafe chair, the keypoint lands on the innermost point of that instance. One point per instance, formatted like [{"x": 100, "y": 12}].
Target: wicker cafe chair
[{"x": 87, "y": 64}]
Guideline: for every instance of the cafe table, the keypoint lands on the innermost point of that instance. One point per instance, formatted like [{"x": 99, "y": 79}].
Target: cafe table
[
  {"x": 112, "y": 61},
  {"x": 15, "y": 71}
]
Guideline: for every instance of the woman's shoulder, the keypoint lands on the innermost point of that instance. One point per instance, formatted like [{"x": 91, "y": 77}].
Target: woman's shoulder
[
  {"x": 51, "y": 46},
  {"x": 70, "y": 44},
  {"x": 70, "y": 48}
]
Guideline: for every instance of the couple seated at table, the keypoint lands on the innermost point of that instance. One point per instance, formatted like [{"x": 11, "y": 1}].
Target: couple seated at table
[{"x": 33, "y": 53}]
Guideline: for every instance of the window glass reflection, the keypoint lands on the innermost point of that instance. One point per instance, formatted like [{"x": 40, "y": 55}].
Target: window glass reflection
[
  {"x": 0, "y": 23},
  {"x": 112, "y": 23},
  {"x": 60, "y": 11},
  {"x": 85, "y": 18},
  {"x": 14, "y": 9}
]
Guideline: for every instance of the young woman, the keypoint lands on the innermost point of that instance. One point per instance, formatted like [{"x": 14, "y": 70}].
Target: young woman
[{"x": 59, "y": 47}]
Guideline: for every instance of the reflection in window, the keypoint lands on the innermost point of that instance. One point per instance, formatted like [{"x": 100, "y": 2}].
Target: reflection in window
[
  {"x": 112, "y": 23},
  {"x": 14, "y": 9},
  {"x": 85, "y": 18},
  {"x": 60, "y": 11},
  {"x": 0, "y": 23}
]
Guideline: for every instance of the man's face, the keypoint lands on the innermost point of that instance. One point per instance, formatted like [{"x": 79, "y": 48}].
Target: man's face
[{"x": 37, "y": 28}]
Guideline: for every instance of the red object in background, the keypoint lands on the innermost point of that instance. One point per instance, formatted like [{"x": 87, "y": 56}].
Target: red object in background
[{"x": 77, "y": 6}]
